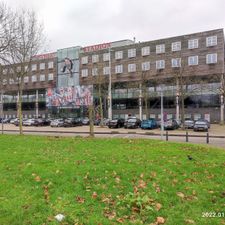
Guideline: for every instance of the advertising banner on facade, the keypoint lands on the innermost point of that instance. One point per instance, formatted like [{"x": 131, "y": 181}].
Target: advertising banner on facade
[{"x": 69, "y": 97}]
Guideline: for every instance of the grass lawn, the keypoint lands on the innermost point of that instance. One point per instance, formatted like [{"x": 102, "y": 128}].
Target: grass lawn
[{"x": 109, "y": 181}]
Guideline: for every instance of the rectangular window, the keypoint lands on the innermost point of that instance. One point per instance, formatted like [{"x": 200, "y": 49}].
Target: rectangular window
[
  {"x": 4, "y": 81},
  {"x": 50, "y": 65},
  {"x": 50, "y": 76},
  {"x": 106, "y": 57},
  {"x": 211, "y": 41},
  {"x": 33, "y": 67},
  {"x": 211, "y": 58},
  {"x": 176, "y": 46},
  {"x": 26, "y": 79},
  {"x": 119, "y": 69},
  {"x": 160, "y": 64},
  {"x": 145, "y": 66},
  {"x": 106, "y": 70},
  {"x": 95, "y": 58},
  {"x": 84, "y": 60},
  {"x": 94, "y": 71},
  {"x": 145, "y": 51},
  {"x": 84, "y": 73},
  {"x": 34, "y": 78},
  {"x": 42, "y": 77},
  {"x": 131, "y": 68},
  {"x": 119, "y": 55},
  {"x": 42, "y": 66},
  {"x": 176, "y": 62},
  {"x": 11, "y": 81},
  {"x": 131, "y": 53},
  {"x": 193, "y": 60},
  {"x": 160, "y": 48},
  {"x": 18, "y": 69},
  {"x": 193, "y": 43}
]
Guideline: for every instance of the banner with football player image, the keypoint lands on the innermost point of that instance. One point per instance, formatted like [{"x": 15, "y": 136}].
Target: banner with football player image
[{"x": 69, "y": 97}]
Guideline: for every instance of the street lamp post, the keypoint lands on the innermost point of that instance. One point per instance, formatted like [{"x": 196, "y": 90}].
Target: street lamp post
[
  {"x": 110, "y": 89},
  {"x": 162, "y": 112},
  {"x": 177, "y": 106}
]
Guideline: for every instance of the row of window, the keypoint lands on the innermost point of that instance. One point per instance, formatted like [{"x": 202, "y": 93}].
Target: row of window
[
  {"x": 42, "y": 66},
  {"x": 145, "y": 51},
  {"x": 160, "y": 64},
  {"x": 34, "y": 79}
]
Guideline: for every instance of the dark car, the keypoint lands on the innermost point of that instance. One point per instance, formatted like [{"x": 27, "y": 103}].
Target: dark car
[
  {"x": 39, "y": 122},
  {"x": 171, "y": 125},
  {"x": 201, "y": 125},
  {"x": 132, "y": 123},
  {"x": 149, "y": 124},
  {"x": 85, "y": 121},
  {"x": 116, "y": 123},
  {"x": 72, "y": 122}
]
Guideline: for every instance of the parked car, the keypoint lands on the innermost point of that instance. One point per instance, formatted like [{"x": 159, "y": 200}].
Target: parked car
[
  {"x": 189, "y": 124},
  {"x": 149, "y": 124},
  {"x": 207, "y": 122},
  {"x": 72, "y": 122},
  {"x": 201, "y": 125},
  {"x": 6, "y": 120},
  {"x": 171, "y": 125},
  {"x": 132, "y": 122},
  {"x": 57, "y": 123},
  {"x": 40, "y": 122},
  {"x": 116, "y": 123},
  {"x": 85, "y": 121},
  {"x": 29, "y": 122}
]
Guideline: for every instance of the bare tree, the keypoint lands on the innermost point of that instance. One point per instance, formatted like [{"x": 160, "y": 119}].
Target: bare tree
[{"x": 26, "y": 41}]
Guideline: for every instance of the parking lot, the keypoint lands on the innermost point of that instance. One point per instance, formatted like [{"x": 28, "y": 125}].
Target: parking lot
[{"x": 216, "y": 133}]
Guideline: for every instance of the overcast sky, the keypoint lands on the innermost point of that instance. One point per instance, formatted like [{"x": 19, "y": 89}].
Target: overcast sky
[{"x": 87, "y": 22}]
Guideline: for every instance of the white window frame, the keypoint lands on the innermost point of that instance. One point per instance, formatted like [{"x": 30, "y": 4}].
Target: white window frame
[
  {"x": 160, "y": 64},
  {"x": 42, "y": 66},
  {"x": 94, "y": 71},
  {"x": 176, "y": 46},
  {"x": 131, "y": 68},
  {"x": 211, "y": 58},
  {"x": 160, "y": 49},
  {"x": 131, "y": 53},
  {"x": 106, "y": 56},
  {"x": 4, "y": 82},
  {"x": 50, "y": 76},
  {"x": 119, "y": 69},
  {"x": 193, "y": 43},
  {"x": 118, "y": 55},
  {"x": 34, "y": 78},
  {"x": 106, "y": 70},
  {"x": 145, "y": 51},
  {"x": 11, "y": 81},
  {"x": 145, "y": 66},
  {"x": 26, "y": 79},
  {"x": 193, "y": 60},
  {"x": 84, "y": 60},
  {"x": 84, "y": 72},
  {"x": 95, "y": 58},
  {"x": 50, "y": 65},
  {"x": 211, "y": 41},
  {"x": 42, "y": 77},
  {"x": 33, "y": 67},
  {"x": 176, "y": 62}
]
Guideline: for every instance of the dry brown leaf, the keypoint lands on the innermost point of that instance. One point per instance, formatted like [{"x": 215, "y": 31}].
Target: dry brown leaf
[
  {"x": 117, "y": 179},
  {"x": 158, "y": 206},
  {"x": 153, "y": 174},
  {"x": 135, "y": 189},
  {"x": 142, "y": 184},
  {"x": 157, "y": 189},
  {"x": 141, "y": 176},
  {"x": 189, "y": 221},
  {"x": 180, "y": 194},
  {"x": 94, "y": 195},
  {"x": 46, "y": 193},
  {"x": 80, "y": 199},
  {"x": 160, "y": 220},
  {"x": 110, "y": 215},
  {"x": 120, "y": 220},
  {"x": 37, "y": 178}
]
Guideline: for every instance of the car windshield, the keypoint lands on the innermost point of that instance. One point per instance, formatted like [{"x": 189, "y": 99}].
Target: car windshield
[
  {"x": 132, "y": 120},
  {"x": 200, "y": 123}
]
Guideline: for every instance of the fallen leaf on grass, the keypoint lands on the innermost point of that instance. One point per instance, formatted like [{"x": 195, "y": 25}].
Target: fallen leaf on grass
[
  {"x": 189, "y": 221},
  {"x": 180, "y": 194},
  {"x": 37, "y": 178},
  {"x": 110, "y": 215},
  {"x": 46, "y": 193},
  {"x": 80, "y": 199},
  {"x": 158, "y": 206},
  {"x": 94, "y": 195},
  {"x": 142, "y": 184},
  {"x": 120, "y": 220},
  {"x": 160, "y": 220}
]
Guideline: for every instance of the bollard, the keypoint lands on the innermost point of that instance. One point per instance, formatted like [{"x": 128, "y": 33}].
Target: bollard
[
  {"x": 166, "y": 135},
  {"x": 186, "y": 136},
  {"x": 207, "y": 137}
]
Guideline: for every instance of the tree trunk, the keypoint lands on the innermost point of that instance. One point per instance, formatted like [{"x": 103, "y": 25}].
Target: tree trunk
[
  {"x": 91, "y": 124},
  {"x": 20, "y": 111},
  {"x": 100, "y": 105}
]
